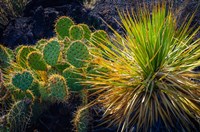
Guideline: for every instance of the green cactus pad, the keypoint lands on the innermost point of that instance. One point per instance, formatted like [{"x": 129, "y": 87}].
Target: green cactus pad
[
  {"x": 36, "y": 61},
  {"x": 35, "y": 89},
  {"x": 83, "y": 120},
  {"x": 77, "y": 54},
  {"x": 22, "y": 54},
  {"x": 10, "y": 53},
  {"x": 62, "y": 26},
  {"x": 22, "y": 80},
  {"x": 51, "y": 52},
  {"x": 41, "y": 43},
  {"x": 18, "y": 48},
  {"x": 98, "y": 37},
  {"x": 60, "y": 67},
  {"x": 44, "y": 92},
  {"x": 19, "y": 116},
  {"x": 73, "y": 79},
  {"x": 87, "y": 31},
  {"x": 66, "y": 43},
  {"x": 76, "y": 32},
  {"x": 58, "y": 88},
  {"x": 4, "y": 57}
]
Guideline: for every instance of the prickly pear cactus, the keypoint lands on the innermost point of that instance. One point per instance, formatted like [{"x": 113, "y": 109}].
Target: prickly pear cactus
[
  {"x": 19, "y": 116},
  {"x": 51, "y": 52},
  {"x": 62, "y": 26},
  {"x": 61, "y": 66},
  {"x": 99, "y": 37},
  {"x": 22, "y": 53},
  {"x": 10, "y": 53},
  {"x": 81, "y": 121},
  {"x": 73, "y": 79},
  {"x": 35, "y": 89},
  {"x": 4, "y": 57},
  {"x": 36, "y": 61},
  {"x": 58, "y": 88},
  {"x": 87, "y": 31},
  {"x": 44, "y": 92},
  {"x": 76, "y": 32},
  {"x": 41, "y": 43},
  {"x": 66, "y": 43},
  {"x": 50, "y": 69},
  {"x": 22, "y": 80},
  {"x": 16, "y": 50},
  {"x": 77, "y": 54}
]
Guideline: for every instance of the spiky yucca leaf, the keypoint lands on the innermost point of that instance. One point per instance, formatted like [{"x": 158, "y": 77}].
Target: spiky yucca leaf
[{"x": 148, "y": 76}]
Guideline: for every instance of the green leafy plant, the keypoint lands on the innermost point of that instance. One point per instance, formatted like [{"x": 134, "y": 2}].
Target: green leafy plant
[{"x": 147, "y": 78}]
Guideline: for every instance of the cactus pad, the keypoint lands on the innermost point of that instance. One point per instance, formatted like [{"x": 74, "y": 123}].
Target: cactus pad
[
  {"x": 99, "y": 37},
  {"x": 35, "y": 89},
  {"x": 22, "y": 80},
  {"x": 18, "y": 48},
  {"x": 73, "y": 79},
  {"x": 44, "y": 92},
  {"x": 41, "y": 43},
  {"x": 66, "y": 42},
  {"x": 36, "y": 61},
  {"x": 51, "y": 52},
  {"x": 62, "y": 26},
  {"x": 4, "y": 57},
  {"x": 82, "y": 120},
  {"x": 22, "y": 54},
  {"x": 77, "y": 54},
  {"x": 19, "y": 116},
  {"x": 76, "y": 32},
  {"x": 58, "y": 88},
  {"x": 60, "y": 67},
  {"x": 10, "y": 53},
  {"x": 87, "y": 31}
]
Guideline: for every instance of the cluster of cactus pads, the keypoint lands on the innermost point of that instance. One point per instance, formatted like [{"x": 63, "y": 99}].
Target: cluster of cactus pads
[{"x": 47, "y": 71}]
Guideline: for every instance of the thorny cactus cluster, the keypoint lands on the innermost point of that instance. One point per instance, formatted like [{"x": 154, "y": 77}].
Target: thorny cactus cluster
[{"x": 46, "y": 72}]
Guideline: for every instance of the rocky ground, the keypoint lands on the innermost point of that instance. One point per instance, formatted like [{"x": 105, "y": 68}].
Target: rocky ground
[{"x": 38, "y": 22}]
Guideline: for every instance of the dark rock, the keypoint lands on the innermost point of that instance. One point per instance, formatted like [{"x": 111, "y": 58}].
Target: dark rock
[
  {"x": 39, "y": 23},
  {"x": 19, "y": 31},
  {"x": 192, "y": 8},
  {"x": 50, "y": 17},
  {"x": 27, "y": 30}
]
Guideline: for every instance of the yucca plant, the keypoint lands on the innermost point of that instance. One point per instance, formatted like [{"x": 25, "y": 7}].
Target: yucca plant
[{"x": 144, "y": 78}]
